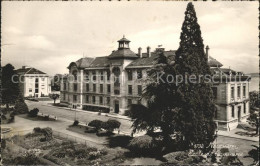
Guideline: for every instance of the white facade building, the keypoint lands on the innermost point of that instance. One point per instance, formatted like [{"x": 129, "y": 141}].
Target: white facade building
[{"x": 33, "y": 82}]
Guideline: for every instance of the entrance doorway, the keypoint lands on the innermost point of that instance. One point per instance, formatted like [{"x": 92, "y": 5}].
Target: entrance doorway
[
  {"x": 116, "y": 106},
  {"x": 239, "y": 113}
]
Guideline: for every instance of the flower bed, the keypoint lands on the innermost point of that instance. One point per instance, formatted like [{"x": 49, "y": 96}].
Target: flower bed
[{"x": 64, "y": 152}]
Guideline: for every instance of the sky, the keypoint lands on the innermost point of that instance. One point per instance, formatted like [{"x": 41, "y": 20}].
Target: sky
[{"x": 50, "y": 35}]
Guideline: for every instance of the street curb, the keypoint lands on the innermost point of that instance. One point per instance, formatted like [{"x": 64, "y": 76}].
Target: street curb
[{"x": 103, "y": 114}]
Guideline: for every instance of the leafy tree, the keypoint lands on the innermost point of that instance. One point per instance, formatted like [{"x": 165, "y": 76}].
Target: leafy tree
[
  {"x": 56, "y": 82},
  {"x": 195, "y": 97},
  {"x": 160, "y": 111},
  {"x": 10, "y": 85},
  {"x": 253, "y": 119},
  {"x": 254, "y": 99},
  {"x": 54, "y": 97}
]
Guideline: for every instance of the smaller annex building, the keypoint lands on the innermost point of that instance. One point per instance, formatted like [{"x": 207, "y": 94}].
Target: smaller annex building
[{"x": 33, "y": 82}]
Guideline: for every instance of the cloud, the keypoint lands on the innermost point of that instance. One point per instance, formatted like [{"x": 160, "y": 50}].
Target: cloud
[
  {"x": 49, "y": 36},
  {"x": 37, "y": 42}
]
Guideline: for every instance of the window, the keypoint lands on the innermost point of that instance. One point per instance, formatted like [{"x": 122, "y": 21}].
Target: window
[
  {"x": 93, "y": 99},
  {"x": 244, "y": 91},
  {"x": 94, "y": 87},
  {"x": 87, "y": 75},
  {"x": 139, "y": 74},
  {"x": 215, "y": 92},
  {"x": 87, "y": 99},
  {"x": 94, "y": 75},
  {"x": 108, "y": 100},
  {"x": 233, "y": 112},
  {"x": 30, "y": 89},
  {"x": 129, "y": 89},
  {"x": 101, "y": 75},
  {"x": 108, "y": 89},
  {"x": 43, "y": 78},
  {"x": 87, "y": 87},
  {"x": 244, "y": 108},
  {"x": 74, "y": 98},
  {"x": 101, "y": 88},
  {"x": 232, "y": 92},
  {"x": 64, "y": 97},
  {"x": 75, "y": 87},
  {"x": 238, "y": 91},
  {"x": 130, "y": 75},
  {"x": 129, "y": 102},
  {"x": 64, "y": 86},
  {"x": 74, "y": 73},
  {"x": 36, "y": 85},
  {"x": 100, "y": 100},
  {"x": 117, "y": 92},
  {"x": 108, "y": 75},
  {"x": 139, "y": 87}
]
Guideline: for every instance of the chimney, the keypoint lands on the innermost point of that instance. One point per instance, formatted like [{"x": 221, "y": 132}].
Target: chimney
[
  {"x": 140, "y": 52},
  {"x": 149, "y": 51},
  {"x": 207, "y": 52}
]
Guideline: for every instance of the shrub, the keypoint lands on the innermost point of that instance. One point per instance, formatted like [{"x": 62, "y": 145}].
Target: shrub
[
  {"x": 94, "y": 155},
  {"x": 46, "y": 117},
  {"x": 145, "y": 145},
  {"x": 101, "y": 133},
  {"x": 37, "y": 130},
  {"x": 34, "y": 112},
  {"x": 12, "y": 115},
  {"x": 90, "y": 130},
  {"x": 119, "y": 141},
  {"x": 26, "y": 158},
  {"x": 224, "y": 150},
  {"x": 21, "y": 107},
  {"x": 47, "y": 133},
  {"x": 75, "y": 123},
  {"x": 96, "y": 123},
  {"x": 128, "y": 113},
  {"x": 182, "y": 158},
  {"x": 111, "y": 125}
]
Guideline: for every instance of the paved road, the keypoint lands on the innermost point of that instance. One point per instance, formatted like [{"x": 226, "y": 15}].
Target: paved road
[
  {"x": 84, "y": 117},
  {"x": 67, "y": 118}
]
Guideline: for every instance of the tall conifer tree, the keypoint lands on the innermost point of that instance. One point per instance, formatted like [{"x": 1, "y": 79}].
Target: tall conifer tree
[{"x": 195, "y": 120}]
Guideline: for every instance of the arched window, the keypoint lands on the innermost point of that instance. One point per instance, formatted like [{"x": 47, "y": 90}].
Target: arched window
[
  {"x": 116, "y": 72},
  {"x": 75, "y": 74},
  {"x": 86, "y": 75}
]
